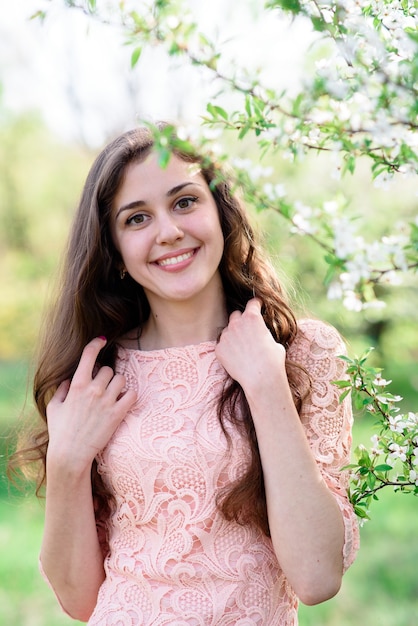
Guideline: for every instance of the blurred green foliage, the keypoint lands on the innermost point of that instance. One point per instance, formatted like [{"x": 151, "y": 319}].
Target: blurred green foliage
[{"x": 40, "y": 180}]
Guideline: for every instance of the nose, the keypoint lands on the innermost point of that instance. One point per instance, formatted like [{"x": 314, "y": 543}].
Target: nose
[{"x": 168, "y": 230}]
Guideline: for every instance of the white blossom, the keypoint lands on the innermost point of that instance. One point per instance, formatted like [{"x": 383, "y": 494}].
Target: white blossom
[
  {"x": 352, "y": 301},
  {"x": 302, "y": 218},
  {"x": 412, "y": 419},
  {"x": 384, "y": 400},
  {"x": 398, "y": 452},
  {"x": 374, "y": 304},
  {"x": 346, "y": 241},
  {"x": 413, "y": 477},
  {"x": 335, "y": 291},
  {"x": 273, "y": 192},
  {"x": 391, "y": 278},
  {"x": 330, "y": 207},
  {"x": 381, "y": 382},
  {"x": 375, "y": 450},
  {"x": 383, "y": 181},
  {"x": 396, "y": 424}
]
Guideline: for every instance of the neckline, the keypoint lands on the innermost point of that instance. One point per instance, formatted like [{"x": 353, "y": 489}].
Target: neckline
[{"x": 211, "y": 343}]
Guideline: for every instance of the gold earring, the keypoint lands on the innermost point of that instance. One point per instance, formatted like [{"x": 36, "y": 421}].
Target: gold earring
[{"x": 122, "y": 273}]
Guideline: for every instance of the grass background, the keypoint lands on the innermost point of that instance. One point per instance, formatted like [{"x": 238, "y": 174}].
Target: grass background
[{"x": 380, "y": 589}]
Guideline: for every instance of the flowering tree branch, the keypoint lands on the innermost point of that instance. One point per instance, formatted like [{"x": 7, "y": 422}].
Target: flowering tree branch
[
  {"x": 393, "y": 459},
  {"x": 361, "y": 102}
]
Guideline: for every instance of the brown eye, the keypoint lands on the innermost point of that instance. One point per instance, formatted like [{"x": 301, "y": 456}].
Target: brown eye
[
  {"x": 186, "y": 203},
  {"x": 138, "y": 218}
]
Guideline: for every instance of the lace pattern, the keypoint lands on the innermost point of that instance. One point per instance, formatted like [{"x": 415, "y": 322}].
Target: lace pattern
[{"x": 173, "y": 559}]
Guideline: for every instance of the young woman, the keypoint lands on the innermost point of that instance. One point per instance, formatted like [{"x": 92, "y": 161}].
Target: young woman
[{"x": 195, "y": 438}]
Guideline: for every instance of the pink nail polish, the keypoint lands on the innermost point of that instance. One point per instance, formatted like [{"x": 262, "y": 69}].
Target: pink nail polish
[{"x": 102, "y": 337}]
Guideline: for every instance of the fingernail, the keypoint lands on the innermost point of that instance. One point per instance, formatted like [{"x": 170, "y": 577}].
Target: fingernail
[{"x": 102, "y": 337}]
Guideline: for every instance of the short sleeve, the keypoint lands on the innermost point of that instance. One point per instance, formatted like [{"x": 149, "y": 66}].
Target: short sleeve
[{"x": 327, "y": 421}]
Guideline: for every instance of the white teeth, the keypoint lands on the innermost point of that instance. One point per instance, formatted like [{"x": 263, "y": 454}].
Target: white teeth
[{"x": 176, "y": 259}]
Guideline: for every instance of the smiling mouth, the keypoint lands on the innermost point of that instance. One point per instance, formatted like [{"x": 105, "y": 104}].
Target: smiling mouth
[{"x": 173, "y": 260}]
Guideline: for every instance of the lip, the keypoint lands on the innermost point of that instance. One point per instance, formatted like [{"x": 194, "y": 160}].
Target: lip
[{"x": 184, "y": 258}]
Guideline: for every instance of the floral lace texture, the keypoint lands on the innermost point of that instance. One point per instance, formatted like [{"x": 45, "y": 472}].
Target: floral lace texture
[{"x": 173, "y": 559}]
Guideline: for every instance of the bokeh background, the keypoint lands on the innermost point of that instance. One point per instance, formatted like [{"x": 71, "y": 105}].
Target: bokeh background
[{"x": 66, "y": 87}]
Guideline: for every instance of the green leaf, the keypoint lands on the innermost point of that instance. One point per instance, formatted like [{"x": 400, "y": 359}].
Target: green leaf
[
  {"x": 91, "y": 5},
  {"x": 360, "y": 512},
  {"x": 412, "y": 33},
  {"x": 216, "y": 111},
  {"x": 357, "y": 400},
  {"x": 346, "y": 358},
  {"x": 296, "y": 104},
  {"x": 164, "y": 155},
  {"x": 383, "y": 468},
  {"x": 341, "y": 383},
  {"x": 288, "y": 5},
  {"x": 329, "y": 275},
  {"x": 248, "y": 106},
  {"x": 344, "y": 395},
  {"x": 366, "y": 355},
  {"x": 259, "y": 107},
  {"x": 41, "y": 15},
  {"x": 371, "y": 480},
  {"x": 318, "y": 23},
  {"x": 243, "y": 132},
  {"x": 135, "y": 56},
  {"x": 350, "y": 163}
]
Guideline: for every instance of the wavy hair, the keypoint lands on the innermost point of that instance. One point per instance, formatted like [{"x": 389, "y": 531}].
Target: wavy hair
[{"x": 92, "y": 301}]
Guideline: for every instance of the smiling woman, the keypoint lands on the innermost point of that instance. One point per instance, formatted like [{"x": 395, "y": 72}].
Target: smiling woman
[
  {"x": 194, "y": 438},
  {"x": 171, "y": 243}
]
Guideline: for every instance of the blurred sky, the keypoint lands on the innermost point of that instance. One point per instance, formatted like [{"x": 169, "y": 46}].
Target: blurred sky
[{"x": 76, "y": 71}]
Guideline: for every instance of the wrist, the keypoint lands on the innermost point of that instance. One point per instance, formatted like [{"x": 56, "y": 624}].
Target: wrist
[
  {"x": 269, "y": 389},
  {"x": 67, "y": 465}
]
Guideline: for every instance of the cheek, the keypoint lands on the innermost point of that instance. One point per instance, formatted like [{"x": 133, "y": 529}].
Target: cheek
[
  {"x": 212, "y": 232},
  {"x": 130, "y": 244},
  {"x": 213, "y": 226}
]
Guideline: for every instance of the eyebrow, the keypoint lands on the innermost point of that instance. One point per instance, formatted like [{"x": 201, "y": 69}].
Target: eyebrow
[{"x": 140, "y": 203}]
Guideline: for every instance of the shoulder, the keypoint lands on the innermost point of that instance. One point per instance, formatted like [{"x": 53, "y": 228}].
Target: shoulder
[
  {"x": 319, "y": 332},
  {"x": 315, "y": 338}
]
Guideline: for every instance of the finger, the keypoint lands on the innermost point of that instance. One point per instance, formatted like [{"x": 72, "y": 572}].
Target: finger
[
  {"x": 84, "y": 371},
  {"x": 61, "y": 392},
  {"x": 117, "y": 385},
  {"x": 103, "y": 375},
  {"x": 235, "y": 315},
  {"x": 126, "y": 400},
  {"x": 254, "y": 305}
]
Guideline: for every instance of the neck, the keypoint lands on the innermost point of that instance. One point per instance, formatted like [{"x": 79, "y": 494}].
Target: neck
[{"x": 183, "y": 323}]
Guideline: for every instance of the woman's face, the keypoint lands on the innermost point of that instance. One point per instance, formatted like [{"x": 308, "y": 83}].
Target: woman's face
[{"x": 165, "y": 225}]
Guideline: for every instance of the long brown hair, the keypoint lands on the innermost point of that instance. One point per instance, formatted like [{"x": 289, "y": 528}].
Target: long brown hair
[{"x": 94, "y": 301}]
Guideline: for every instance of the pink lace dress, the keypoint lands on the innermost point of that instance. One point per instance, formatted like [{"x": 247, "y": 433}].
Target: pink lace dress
[{"x": 173, "y": 559}]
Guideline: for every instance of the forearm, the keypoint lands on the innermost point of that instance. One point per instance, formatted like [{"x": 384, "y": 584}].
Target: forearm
[
  {"x": 82, "y": 416},
  {"x": 71, "y": 556},
  {"x": 307, "y": 527},
  {"x": 305, "y": 520}
]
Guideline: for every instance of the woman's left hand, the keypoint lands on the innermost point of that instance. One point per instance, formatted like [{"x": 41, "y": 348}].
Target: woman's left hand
[{"x": 247, "y": 350}]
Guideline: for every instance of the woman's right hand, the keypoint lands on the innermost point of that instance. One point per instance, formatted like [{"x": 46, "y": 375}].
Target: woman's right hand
[{"x": 85, "y": 412}]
